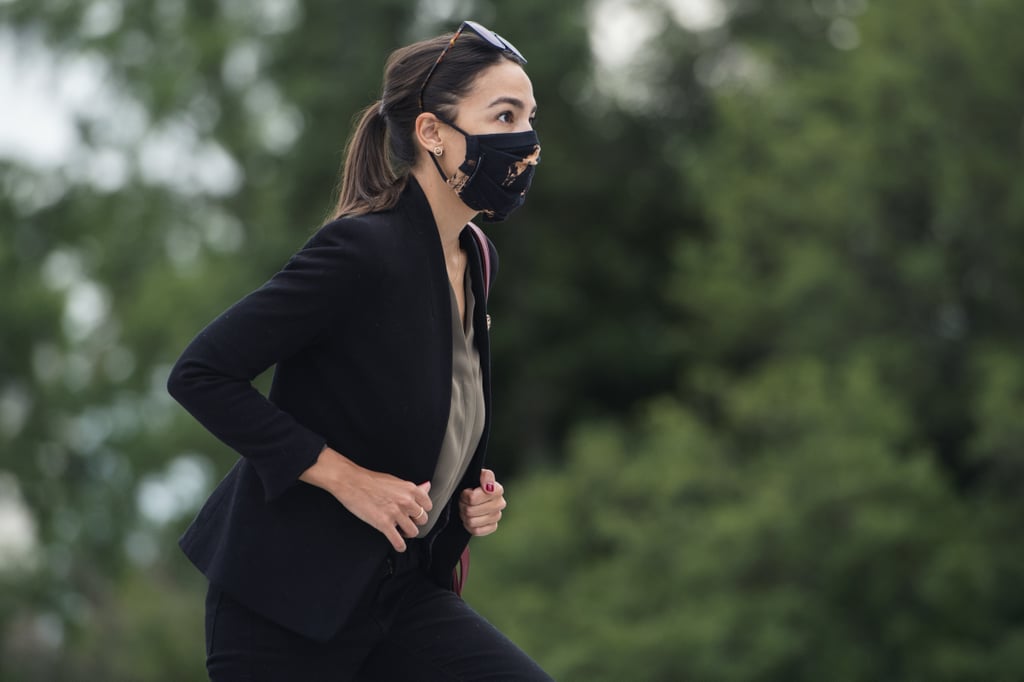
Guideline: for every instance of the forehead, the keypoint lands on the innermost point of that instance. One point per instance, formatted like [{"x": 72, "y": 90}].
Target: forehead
[{"x": 502, "y": 81}]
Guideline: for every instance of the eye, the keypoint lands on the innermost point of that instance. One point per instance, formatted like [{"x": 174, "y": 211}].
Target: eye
[{"x": 507, "y": 117}]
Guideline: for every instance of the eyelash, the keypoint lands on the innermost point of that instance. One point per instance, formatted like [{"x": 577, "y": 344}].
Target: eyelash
[{"x": 512, "y": 117}]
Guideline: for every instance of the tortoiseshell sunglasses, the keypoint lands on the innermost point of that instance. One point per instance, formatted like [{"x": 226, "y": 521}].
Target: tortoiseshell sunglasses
[{"x": 485, "y": 33}]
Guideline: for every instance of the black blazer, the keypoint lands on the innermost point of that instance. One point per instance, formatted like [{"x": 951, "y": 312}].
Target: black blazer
[{"x": 359, "y": 325}]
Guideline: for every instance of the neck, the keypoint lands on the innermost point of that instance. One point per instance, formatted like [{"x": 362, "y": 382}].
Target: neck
[{"x": 450, "y": 214}]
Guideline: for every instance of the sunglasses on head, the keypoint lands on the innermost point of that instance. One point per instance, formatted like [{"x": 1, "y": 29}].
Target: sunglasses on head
[{"x": 487, "y": 34}]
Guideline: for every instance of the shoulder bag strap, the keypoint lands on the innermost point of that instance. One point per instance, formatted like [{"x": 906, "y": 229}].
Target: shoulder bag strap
[{"x": 485, "y": 256}]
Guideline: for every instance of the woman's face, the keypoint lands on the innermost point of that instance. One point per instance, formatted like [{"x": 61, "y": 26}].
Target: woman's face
[{"x": 499, "y": 101}]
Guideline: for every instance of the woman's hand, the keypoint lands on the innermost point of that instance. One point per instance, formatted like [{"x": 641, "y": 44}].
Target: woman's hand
[
  {"x": 394, "y": 507},
  {"x": 480, "y": 508}
]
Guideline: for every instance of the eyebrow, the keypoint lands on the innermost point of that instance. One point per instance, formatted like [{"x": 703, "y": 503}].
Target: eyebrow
[{"x": 513, "y": 101}]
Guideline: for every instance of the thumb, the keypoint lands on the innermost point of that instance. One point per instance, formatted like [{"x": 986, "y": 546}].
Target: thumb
[
  {"x": 425, "y": 486},
  {"x": 487, "y": 480}
]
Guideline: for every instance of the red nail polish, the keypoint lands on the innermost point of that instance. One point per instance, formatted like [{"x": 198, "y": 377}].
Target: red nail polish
[{"x": 489, "y": 487}]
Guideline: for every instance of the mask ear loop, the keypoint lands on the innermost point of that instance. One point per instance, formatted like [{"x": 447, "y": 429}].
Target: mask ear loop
[
  {"x": 437, "y": 164},
  {"x": 452, "y": 125},
  {"x": 457, "y": 186}
]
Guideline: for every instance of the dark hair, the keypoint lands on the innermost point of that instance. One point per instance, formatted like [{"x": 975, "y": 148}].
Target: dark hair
[{"x": 382, "y": 149}]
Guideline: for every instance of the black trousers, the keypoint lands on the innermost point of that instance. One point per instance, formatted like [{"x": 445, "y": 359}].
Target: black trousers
[{"x": 414, "y": 630}]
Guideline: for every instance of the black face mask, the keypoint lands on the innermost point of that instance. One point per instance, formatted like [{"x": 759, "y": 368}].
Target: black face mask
[{"x": 497, "y": 172}]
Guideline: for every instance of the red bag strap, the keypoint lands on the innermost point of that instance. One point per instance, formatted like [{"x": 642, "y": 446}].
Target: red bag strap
[
  {"x": 461, "y": 572},
  {"x": 485, "y": 256}
]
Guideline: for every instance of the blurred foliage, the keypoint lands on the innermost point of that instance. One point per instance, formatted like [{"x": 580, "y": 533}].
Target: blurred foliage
[{"x": 756, "y": 333}]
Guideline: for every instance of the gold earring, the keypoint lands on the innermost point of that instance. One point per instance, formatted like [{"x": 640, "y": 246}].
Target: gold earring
[{"x": 438, "y": 150}]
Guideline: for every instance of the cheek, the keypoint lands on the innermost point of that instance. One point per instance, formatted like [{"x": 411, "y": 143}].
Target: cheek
[{"x": 454, "y": 154}]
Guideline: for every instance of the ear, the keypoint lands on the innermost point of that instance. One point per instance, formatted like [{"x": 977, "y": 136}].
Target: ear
[{"x": 428, "y": 132}]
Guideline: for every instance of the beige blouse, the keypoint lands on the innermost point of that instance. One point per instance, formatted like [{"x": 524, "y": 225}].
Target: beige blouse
[{"x": 466, "y": 419}]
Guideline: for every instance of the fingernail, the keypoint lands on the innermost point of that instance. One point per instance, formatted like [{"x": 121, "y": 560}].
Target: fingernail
[{"x": 489, "y": 487}]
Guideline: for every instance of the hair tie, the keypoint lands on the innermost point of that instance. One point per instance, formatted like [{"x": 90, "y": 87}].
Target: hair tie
[{"x": 380, "y": 110}]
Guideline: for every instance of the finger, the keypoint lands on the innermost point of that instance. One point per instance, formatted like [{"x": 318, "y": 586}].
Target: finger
[
  {"x": 485, "y": 530},
  {"x": 395, "y": 538},
  {"x": 481, "y": 521},
  {"x": 416, "y": 500},
  {"x": 489, "y": 507},
  {"x": 408, "y": 527},
  {"x": 475, "y": 496},
  {"x": 487, "y": 480},
  {"x": 481, "y": 494},
  {"x": 421, "y": 518},
  {"x": 422, "y": 496}
]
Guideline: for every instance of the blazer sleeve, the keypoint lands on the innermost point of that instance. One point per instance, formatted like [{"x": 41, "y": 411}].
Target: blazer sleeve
[{"x": 213, "y": 377}]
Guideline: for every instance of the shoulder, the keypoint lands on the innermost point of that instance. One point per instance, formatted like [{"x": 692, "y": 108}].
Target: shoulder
[
  {"x": 352, "y": 246},
  {"x": 354, "y": 233}
]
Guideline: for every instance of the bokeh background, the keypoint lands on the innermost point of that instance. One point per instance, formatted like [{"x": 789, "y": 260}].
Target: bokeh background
[{"x": 757, "y": 332}]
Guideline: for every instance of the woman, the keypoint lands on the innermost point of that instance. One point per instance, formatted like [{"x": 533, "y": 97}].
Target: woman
[{"x": 331, "y": 543}]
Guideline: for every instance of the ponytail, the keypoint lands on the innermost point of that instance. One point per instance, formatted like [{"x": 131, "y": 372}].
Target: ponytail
[{"x": 368, "y": 182}]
